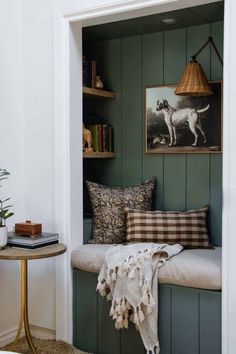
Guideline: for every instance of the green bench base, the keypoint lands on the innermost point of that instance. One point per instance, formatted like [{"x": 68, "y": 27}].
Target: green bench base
[{"x": 189, "y": 321}]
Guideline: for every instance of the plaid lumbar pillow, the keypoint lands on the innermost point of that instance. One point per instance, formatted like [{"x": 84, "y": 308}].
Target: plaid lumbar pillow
[
  {"x": 187, "y": 228},
  {"x": 108, "y": 208}
]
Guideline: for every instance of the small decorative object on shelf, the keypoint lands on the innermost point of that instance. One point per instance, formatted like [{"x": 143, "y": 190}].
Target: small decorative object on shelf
[
  {"x": 4, "y": 211},
  {"x": 99, "y": 83},
  {"x": 28, "y": 229},
  {"x": 87, "y": 140}
]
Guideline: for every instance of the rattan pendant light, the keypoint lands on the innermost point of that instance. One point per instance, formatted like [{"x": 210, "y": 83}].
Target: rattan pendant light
[{"x": 194, "y": 81}]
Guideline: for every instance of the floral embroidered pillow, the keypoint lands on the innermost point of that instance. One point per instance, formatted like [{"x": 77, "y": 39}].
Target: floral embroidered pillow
[{"x": 108, "y": 208}]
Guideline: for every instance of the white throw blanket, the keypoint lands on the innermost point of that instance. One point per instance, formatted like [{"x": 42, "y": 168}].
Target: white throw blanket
[{"x": 129, "y": 278}]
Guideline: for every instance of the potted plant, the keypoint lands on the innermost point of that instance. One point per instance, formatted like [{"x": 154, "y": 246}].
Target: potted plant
[{"x": 5, "y": 212}]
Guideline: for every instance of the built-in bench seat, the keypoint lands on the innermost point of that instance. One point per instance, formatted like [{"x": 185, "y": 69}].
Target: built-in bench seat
[
  {"x": 189, "y": 305},
  {"x": 198, "y": 268}
]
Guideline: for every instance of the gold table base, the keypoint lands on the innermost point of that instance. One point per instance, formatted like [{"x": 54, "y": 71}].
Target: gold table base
[
  {"x": 23, "y": 255},
  {"x": 24, "y": 308}
]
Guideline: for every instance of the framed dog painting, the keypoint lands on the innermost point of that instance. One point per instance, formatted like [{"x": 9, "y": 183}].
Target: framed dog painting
[{"x": 187, "y": 124}]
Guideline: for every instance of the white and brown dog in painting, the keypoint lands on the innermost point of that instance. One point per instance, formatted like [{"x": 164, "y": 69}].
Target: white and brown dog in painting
[{"x": 174, "y": 117}]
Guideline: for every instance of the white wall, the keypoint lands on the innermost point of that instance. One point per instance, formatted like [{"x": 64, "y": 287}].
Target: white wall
[
  {"x": 11, "y": 148},
  {"x": 27, "y": 143},
  {"x": 37, "y": 51}
]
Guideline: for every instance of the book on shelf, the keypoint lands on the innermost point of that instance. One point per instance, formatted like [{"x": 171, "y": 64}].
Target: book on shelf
[
  {"x": 110, "y": 139},
  {"x": 105, "y": 137},
  {"x": 45, "y": 239},
  {"x": 89, "y": 72},
  {"x": 94, "y": 73},
  {"x": 102, "y": 137}
]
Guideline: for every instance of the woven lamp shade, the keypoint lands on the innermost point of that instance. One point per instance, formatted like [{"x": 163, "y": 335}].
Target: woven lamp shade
[{"x": 193, "y": 82}]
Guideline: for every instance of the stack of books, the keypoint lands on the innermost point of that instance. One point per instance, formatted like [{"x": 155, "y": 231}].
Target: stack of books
[
  {"x": 102, "y": 137},
  {"x": 45, "y": 239}
]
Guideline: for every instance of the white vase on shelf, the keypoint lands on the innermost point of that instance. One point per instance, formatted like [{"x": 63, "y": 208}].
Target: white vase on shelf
[{"x": 3, "y": 236}]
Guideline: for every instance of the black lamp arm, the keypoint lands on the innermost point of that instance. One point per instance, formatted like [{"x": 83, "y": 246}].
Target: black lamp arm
[{"x": 210, "y": 40}]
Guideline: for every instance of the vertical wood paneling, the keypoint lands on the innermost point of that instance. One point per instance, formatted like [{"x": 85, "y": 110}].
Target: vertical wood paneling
[
  {"x": 175, "y": 182},
  {"x": 87, "y": 229},
  {"x": 196, "y": 37},
  {"x": 132, "y": 110},
  {"x": 209, "y": 324},
  {"x": 131, "y": 341},
  {"x": 174, "y": 165},
  {"x": 184, "y": 321},
  {"x": 85, "y": 295},
  {"x": 216, "y": 200},
  {"x": 164, "y": 319},
  {"x": 153, "y": 59},
  {"x": 174, "y": 55},
  {"x": 189, "y": 321},
  {"x": 198, "y": 180},
  {"x": 112, "y": 109},
  {"x": 153, "y": 75},
  {"x": 108, "y": 336},
  {"x": 217, "y": 30}
]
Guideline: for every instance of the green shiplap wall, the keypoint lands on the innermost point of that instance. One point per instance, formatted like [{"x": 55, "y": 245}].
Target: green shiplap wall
[
  {"x": 129, "y": 65},
  {"x": 189, "y": 321}
]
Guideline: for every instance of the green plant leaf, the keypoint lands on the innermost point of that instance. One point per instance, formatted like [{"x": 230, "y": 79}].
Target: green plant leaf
[
  {"x": 9, "y": 215},
  {"x": 5, "y": 214},
  {"x": 4, "y": 210}
]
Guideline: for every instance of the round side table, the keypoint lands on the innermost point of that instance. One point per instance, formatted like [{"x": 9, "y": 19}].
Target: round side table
[{"x": 24, "y": 255}]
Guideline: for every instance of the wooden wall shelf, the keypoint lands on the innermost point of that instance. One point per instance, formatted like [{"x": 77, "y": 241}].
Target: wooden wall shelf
[
  {"x": 92, "y": 92},
  {"x": 98, "y": 155}
]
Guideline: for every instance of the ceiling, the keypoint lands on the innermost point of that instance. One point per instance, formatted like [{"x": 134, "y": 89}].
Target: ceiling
[{"x": 153, "y": 23}]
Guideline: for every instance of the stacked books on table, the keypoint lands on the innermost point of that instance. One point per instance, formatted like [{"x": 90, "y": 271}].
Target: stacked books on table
[
  {"x": 45, "y": 239},
  {"x": 102, "y": 137}
]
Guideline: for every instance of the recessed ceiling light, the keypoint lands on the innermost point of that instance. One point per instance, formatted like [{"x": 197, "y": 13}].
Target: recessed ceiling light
[{"x": 169, "y": 21}]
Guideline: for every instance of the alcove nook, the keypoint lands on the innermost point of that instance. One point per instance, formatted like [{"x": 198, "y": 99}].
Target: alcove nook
[
  {"x": 131, "y": 55},
  {"x": 77, "y": 22}
]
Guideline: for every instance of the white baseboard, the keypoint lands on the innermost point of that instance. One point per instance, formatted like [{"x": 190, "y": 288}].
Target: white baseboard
[
  {"x": 8, "y": 337},
  {"x": 36, "y": 331}
]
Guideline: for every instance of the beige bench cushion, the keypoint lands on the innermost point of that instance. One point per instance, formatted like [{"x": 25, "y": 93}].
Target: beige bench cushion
[{"x": 197, "y": 268}]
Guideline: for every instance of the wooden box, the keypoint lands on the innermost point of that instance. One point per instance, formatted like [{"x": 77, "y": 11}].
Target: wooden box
[{"x": 28, "y": 228}]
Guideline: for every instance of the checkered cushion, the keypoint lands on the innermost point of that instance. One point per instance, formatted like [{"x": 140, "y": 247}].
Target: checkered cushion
[{"x": 187, "y": 228}]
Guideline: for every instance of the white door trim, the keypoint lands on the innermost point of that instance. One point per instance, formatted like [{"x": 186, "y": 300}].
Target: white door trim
[
  {"x": 68, "y": 194},
  {"x": 229, "y": 184}
]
